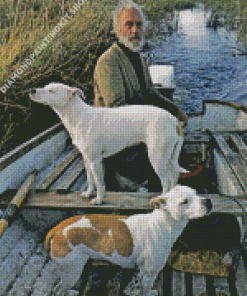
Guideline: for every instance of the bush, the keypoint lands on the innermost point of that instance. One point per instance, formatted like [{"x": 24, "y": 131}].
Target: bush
[
  {"x": 69, "y": 57},
  {"x": 234, "y": 12}
]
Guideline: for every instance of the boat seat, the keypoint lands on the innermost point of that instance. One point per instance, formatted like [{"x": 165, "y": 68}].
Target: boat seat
[
  {"x": 209, "y": 246},
  {"x": 231, "y": 151}
]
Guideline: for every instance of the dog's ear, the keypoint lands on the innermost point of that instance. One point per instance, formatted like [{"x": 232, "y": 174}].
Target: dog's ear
[
  {"x": 74, "y": 92},
  {"x": 158, "y": 202}
]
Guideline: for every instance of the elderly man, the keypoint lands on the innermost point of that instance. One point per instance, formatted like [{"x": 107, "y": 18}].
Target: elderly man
[{"x": 121, "y": 77}]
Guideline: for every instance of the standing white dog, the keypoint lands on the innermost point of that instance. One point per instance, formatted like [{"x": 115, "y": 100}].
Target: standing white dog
[
  {"x": 101, "y": 132},
  {"x": 143, "y": 240}
]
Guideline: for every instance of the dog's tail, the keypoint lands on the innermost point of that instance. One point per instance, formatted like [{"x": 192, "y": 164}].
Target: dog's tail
[
  {"x": 175, "y": 154},
  {"x": 47, "y": 243},
  {"x": 179, "y": 144},
  {"x": 180, "y": 130}
]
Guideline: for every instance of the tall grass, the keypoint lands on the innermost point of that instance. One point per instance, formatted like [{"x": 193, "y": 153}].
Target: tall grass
[
  {"x": 25, "y": 24},
  {"x": 235, "y": 12},
  {"x": 70, "y": 57}
]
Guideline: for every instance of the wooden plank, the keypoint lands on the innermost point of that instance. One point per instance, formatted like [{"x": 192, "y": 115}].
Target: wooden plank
[
  {"x": 227, "y": 182},
  {"x": 12, "y": 266},
  {"x": 38, "y": 158},
  {"x": 178, "y": 286},
  {"x": 81, "y": 183},
  {"x": 234, "y": 160},
  {"x": 226, "y": 205},
  {"x": 234, "y": 105},
  {"x": 16, "y": 203},
  {"x": 54, "y": 175},
  {"x": 23, "y": 149},
  {"x": 47, "y": 280},
  {"x": 121, "y": 202},
  {"x": 114, "y": 200},
  {"x": 24, "y": 283},
  {"x": 240, "y": 145},
  {"x": 11, "y": 237},
  {"x": 196, "y": 137},
  {"x": 76, "y": 169}
]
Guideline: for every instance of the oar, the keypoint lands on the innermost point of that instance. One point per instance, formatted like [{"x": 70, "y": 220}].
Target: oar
[{"x": 16, "y": 202}]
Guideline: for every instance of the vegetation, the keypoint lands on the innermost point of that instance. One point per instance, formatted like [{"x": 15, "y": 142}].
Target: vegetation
[
  {"x": 71, "y": 54},
  {"x": 234, "y": 12}
]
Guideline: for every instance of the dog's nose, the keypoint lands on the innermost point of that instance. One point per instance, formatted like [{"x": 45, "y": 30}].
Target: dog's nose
[
  {"x": 208, "y": 204},
  {"x": 33, "y": 91}
]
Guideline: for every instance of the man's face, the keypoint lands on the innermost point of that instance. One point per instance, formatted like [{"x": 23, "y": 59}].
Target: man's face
[{"x": 130, "y": 31}]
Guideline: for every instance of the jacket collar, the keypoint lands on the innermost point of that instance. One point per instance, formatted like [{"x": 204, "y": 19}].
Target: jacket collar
[{"x": 126, "y": 60}]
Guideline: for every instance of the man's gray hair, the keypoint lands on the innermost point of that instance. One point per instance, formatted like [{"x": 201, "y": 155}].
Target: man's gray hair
[{"x": 123, "y": 4}]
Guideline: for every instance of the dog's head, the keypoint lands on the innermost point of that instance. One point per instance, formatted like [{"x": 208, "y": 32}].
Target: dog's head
[
  {"x": 182, "y": 202},
  {"x": 55, "y": 94}
]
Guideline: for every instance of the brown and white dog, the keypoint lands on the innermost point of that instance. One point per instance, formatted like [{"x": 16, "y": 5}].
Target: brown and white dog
[
  {"x": 143, "y": 240},
  {"x": 101, "y": 132}
]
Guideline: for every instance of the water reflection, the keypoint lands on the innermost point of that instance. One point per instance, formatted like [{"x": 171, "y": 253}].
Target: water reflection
[
  {"x": 192, "y": 23},
  {"x": 204, "y": 63}
]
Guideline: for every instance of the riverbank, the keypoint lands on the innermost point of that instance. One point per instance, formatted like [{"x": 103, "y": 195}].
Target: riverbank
[
  {"x": 56, "y": 40},
  {"x": 205, "y": 61},
  {"x": 51, "y": 37},
  {"x": 234, "y": 12}
]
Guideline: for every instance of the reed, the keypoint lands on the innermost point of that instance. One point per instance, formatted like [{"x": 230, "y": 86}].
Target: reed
[
  {"x": 25, "y": 25},
  {"x": 234, "y": 12},
  {"x": 70, "y": 57}
]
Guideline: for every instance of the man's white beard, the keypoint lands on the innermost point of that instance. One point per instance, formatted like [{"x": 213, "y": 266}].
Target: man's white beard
[{"x": 132, "y": 45}]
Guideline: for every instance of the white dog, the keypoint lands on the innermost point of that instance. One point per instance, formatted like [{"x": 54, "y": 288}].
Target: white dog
[
  {"x": 101, "y": 132},
  {"x": 143, "y": 240}
]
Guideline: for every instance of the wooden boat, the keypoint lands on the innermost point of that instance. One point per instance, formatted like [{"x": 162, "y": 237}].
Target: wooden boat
[{"x": 216, "y": 154}]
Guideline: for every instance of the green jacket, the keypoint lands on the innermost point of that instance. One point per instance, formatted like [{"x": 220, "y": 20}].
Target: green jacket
[{"x": 116, "y": 83}]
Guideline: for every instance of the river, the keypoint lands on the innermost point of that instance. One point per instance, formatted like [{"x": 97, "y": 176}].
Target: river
[{"x": 206, "y": 66}]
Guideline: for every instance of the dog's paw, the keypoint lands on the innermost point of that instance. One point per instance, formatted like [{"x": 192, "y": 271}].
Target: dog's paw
[
  {"x": 87, "y": 194},
  {"x": 183, "y": 170},
  {"x": 96, "y": 201},
  {"x": 156, "y": 202}
]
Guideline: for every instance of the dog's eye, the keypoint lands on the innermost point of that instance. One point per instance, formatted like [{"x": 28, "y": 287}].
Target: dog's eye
[
  {"x": 185, "y": 202},
  {"x": 51, "y": 91}
]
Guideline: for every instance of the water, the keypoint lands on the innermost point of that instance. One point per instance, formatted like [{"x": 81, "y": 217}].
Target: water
[{"x": 205, "y": 65}]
